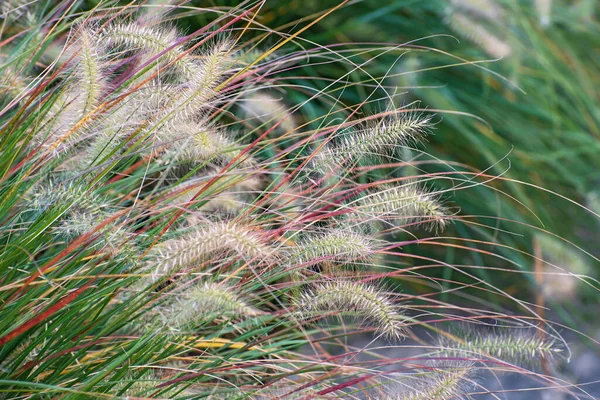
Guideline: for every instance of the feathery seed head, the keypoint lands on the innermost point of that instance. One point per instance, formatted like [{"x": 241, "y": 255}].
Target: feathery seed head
[
  {"x": 204, "y": 303},
  {"x": 12, "y": 85},
  {"x": 385, "y": 135},
  {"x": 561, "y": 279},
  {"x": 444, "y": 380},
  {"x": 196, "y": 142},
  {"x": 82, "y": 208},
  {"x": 268, "y": 108},
  {"x": 18, "y": 12},
  {"x": 89, "y": 70},
  {"x": 479, "y": 34},
  {"x": 356, "y": 299},
  {"x": 335, "y": 245},
  {"x": 151, "y": 41},
  {"x": 405, "y": 204},
  {"x": 379, "y": 140},
  {"x": 515, "y": 346},
  {"x": 215, "y": 63},
  {"x": 79, "y": 95},
  {"x": 210, "y": 241}
]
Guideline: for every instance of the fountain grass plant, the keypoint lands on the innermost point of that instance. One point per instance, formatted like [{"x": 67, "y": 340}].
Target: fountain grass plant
[{"x": 161, "y": 238}]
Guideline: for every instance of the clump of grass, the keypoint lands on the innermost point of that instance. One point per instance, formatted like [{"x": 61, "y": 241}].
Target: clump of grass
[{"x": 176, "y": 268}]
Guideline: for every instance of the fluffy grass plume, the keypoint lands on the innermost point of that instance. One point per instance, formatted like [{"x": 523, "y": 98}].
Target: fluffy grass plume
[
  {"x": 518, "y": 346},
  {"x": 338, "y": 245},
  {"x": 472, "y": 30},
  {"x": 205, "y": 302},
  {"x": 359, "y": 300},
  {"x": 403, "y": 204},
  {"x": 209, "y": 241},
  {"x": 443, "y": 380}
]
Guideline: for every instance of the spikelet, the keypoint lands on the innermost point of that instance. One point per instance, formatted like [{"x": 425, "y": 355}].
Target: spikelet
[
  {"x": 489, "y": 9},
  {"x": 268, "y": 108},
  {"x": 152, "y": 41},
  {"x": 479, "y": 34},
  {"x": 210, "y": 241},
  {"x": 342, "y": 246},
  {"x": 83, "y": 209},
  {"x": 196, "y": 142},
  {"x": 444, "y": 380},
  {"x": 399, "y": 130},
  {"x": 519, "y": 346},
  {"x": 397, "y": 205},
  {"x": 84, "y": 88},
  {"x": 204, "y": 303},
  {"x": 359, "y": 300}
]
